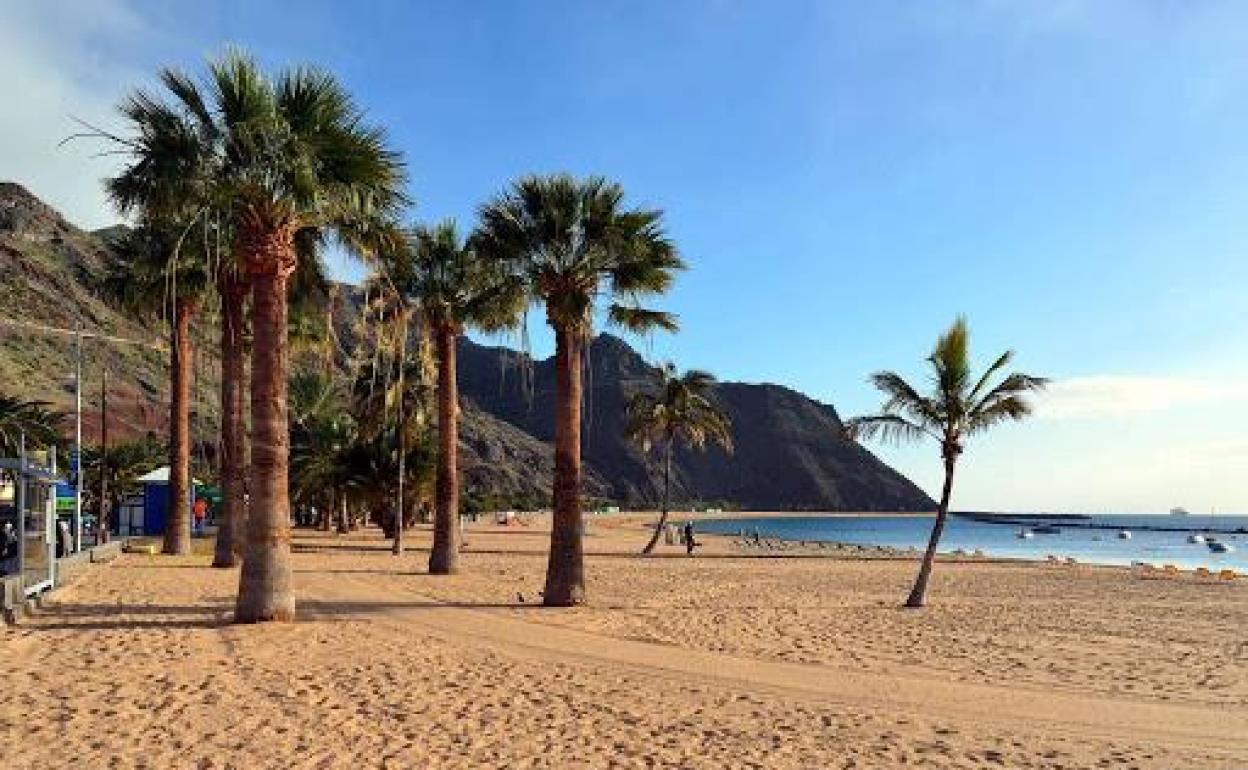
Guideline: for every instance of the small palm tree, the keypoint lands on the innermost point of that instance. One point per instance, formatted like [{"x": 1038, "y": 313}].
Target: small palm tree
[
  {"x": 960, "y": 407},
  {"x": 287, "y": 155},
  {"x": 452, "y": 289},
  {"x": 680, "y": 411},
  {"x": 568, "y": 242}
]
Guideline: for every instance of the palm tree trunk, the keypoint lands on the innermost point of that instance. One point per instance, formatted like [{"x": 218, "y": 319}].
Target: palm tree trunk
[
  {"x": 264, "y": 590},
  {"x": 918, "y": 594},
  {"x": 565, "y": 568},
  {"x": 177, "y": 539},
  {"x": 327, "y": 513},
  {"x": 233, "y": 438},
  {"x": 397, "y": 549},
  {"x": 444, "y": 558},
  {"x": 667, "y": 489}
]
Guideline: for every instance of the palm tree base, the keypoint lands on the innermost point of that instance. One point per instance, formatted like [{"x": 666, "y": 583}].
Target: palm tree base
[
  {"x": 440, "y": 564},
  {"x": 272, "y": 616},
  {"x": 569, "y": 600}
]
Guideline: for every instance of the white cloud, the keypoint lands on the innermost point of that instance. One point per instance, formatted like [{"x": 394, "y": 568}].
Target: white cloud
[
  {"x": 1115, "y": 396},
  {"x": 62, "y": 61}
]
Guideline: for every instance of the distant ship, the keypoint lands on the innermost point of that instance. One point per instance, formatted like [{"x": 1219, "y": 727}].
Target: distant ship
[{"x": 1180, "y": 511}]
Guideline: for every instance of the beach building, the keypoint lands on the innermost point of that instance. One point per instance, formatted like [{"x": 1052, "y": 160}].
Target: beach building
[
  {"x": 27, "y": 526},
  {"x": 146, "y": 513}
]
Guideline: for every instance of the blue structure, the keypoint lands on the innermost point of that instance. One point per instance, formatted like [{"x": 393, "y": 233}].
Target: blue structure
[{"x": 156, "y": 505}]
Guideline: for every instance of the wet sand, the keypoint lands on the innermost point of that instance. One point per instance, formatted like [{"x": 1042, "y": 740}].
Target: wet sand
[{"x": 728, "y": 659}]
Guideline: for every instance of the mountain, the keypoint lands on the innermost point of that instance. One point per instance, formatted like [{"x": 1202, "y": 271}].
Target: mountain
[
  {"x": 791, "y": 453},
  {"x": 52, "y": 278},
  {"x": 790, "y": 450}
]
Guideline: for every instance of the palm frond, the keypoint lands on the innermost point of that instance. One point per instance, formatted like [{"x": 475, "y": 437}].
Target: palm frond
[
  {"x": 640, "y": 320},
  {"x": 886, "y": 427}
]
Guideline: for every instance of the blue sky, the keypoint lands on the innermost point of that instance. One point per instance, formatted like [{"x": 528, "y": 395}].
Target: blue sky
[{"x": 843, "y": 178}]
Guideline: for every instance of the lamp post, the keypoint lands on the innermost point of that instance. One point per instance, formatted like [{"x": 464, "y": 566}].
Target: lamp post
[{"x": 77, "y": 464}]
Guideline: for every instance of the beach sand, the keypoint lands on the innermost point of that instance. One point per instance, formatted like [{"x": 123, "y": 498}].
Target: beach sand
[{"x": 728, "y": 659}]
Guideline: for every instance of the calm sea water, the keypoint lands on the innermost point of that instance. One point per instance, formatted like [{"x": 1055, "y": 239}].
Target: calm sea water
[{"x": 1092, "y": 539}]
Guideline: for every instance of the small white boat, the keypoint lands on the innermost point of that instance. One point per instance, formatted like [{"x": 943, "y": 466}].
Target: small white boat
[
  {"x": 1124, "y": 534},
  {"x": 1025, "y": 534},
  {"x": 1198, "y": 539}
]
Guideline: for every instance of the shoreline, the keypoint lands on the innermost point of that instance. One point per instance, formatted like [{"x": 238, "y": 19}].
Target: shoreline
[{"x": 787, "y": 546}]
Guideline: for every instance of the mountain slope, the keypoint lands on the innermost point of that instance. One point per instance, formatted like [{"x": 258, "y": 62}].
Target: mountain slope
[
  {"x": 52, "y": 277},
  {"x": 791, "y": 453}
]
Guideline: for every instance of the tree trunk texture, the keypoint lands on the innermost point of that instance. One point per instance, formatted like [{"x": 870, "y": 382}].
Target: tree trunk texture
[
  {"x": 444, "y": 558},
  {"x": 400, "y": 521},
  {"x": 918, "y": 594},
  {"x": 264, "y": 590},
  {"x": 565, "y": 568},
  {"x": 667, "y": 490},
  {"x": 233, "y": 436},
  {"x": 177, "y": 539}
]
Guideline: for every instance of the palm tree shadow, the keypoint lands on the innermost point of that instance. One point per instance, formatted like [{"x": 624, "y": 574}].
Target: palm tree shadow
[
  {"x": 326, "y": 609},
  {"x": 138, "y": 617}
]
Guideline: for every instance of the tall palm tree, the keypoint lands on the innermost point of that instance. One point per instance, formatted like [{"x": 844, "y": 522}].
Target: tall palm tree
[
  {"x": 158, "y": 271},
  {"x": 960, "y": 406},
  {"x": 453, "y": 288},
  {"x": 33, "y": 419},
  {"x": 290, "y": 154},
  {"x": 681, "y": 410},
  {"x": 568, "y": 241},
  {"x": 166, "y": 186}
]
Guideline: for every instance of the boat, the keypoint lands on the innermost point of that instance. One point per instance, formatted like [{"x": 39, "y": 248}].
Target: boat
[
  {"x": 1179, "y": 511},
  {"x": 1124, "y": 534},
  {"x": 1025, "y": 534},
  {"x": 1217, "y": 546},
  {"x": 1196, "y": 538}
]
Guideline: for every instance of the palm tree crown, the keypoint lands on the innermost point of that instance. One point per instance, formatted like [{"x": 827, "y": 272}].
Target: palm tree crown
[
  {"x": 452, "y": 285},
  {"x": 680, "y": 410},
  {"x": 566, "y": 238},
  {"x": 960, "y": 406}
]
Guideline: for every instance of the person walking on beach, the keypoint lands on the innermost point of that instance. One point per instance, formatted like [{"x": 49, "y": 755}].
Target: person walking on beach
[
  {"x": 690, "y": 543},
  {"x": 199, "y": 511}
]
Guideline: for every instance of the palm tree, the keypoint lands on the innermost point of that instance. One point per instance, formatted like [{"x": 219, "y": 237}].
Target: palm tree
[
  {"x": 33, "y": 419},
  {"x": 158, "y": 272},
  {"x": 567, "y": 241},
  {"x": 453, "y": 288},
  {"x": 959, "y": 407},
  {"x": 680, "y": 411},
  {"x": 289, "y": 155}
]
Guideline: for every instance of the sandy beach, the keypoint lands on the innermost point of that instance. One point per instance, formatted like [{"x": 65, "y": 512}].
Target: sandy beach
[{"x": 728, "y": 659}]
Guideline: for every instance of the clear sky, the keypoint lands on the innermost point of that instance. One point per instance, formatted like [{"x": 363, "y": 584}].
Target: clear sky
[{"x": 843, "y": 178}]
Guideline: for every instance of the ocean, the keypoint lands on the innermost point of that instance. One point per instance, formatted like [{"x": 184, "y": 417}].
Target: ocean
[{"x": 1090, "y": 539}]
